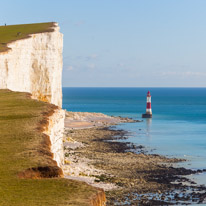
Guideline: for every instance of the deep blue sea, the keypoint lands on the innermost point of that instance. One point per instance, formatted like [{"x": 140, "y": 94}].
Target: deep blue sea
[{"x": 178, "y": 126}]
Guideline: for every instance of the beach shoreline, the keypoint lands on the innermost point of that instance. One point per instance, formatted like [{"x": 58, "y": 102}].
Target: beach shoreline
[{"x": 95, "y": 154}]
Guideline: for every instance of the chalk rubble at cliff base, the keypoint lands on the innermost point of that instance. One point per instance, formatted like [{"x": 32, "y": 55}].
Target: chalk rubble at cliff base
[{"x": 136, "y": 178}]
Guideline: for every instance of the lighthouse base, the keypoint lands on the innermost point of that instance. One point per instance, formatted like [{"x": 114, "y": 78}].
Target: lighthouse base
[{"x": 146, "y": 115}]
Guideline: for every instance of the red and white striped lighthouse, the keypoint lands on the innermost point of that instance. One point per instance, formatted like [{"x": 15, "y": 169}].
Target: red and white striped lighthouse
[{"x": 149, "y": 108}]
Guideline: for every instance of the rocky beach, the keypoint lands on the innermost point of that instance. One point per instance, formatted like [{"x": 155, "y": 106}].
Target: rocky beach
[{"x": 95, "y": 154}]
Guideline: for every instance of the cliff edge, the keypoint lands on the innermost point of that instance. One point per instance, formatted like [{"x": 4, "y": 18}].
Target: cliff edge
[
  {"x": 28, "y": 173},
  {"x": 32, "y": 131},
  {"x": 31, "y": 60}
]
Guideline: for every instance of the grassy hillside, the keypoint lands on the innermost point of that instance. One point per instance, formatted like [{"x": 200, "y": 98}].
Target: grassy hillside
[
  {"x": 15, "y": 32},
  {"x": 23, "y": 146}
]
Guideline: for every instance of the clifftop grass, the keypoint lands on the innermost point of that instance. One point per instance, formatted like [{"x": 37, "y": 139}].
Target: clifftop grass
[
  {"x": 12, "y": 33},
  {"x": 22, "y": 146}
]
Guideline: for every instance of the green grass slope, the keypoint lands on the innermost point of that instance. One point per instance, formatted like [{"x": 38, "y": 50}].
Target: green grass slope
[
  {"x": 22, "y": 146},
  {"x": 15, "y": 32}
]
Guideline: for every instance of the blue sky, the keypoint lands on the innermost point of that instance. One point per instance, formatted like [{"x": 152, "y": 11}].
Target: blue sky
[{"x": 123, "y": 43}]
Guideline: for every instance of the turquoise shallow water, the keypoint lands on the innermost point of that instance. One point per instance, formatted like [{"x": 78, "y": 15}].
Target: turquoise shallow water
[{"x": 178, "y": 126}]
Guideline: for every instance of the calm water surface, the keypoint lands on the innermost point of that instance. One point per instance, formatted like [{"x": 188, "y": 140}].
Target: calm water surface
[{"x": 178, "y": 126}]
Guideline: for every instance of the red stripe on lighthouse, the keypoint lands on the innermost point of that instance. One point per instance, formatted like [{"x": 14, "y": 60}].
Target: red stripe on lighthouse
[{"x": 148, "y": 105}]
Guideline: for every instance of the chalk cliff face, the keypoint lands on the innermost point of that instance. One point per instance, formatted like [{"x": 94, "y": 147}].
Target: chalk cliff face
[
  {"x": 55, "y": 131},
  {"x": 34, "y": 65}
]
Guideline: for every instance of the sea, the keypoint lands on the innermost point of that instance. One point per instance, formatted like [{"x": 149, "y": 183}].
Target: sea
[{"x": 177, "y": 128}]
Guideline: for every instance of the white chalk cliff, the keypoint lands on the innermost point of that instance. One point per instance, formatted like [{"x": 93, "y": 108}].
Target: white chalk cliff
[
  {"x": 34, "y": 65},
  {"x": 55, "y": 131}
]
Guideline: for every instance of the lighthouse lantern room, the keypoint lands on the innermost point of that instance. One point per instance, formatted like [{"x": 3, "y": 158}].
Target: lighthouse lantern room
[{"x": 148, "y": 113}]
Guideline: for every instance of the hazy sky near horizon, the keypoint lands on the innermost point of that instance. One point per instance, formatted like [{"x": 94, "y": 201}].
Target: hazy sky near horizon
[{"x": 123, "y": 43}]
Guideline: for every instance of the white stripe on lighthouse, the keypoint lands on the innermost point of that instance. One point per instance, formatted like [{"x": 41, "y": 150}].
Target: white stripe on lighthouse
[
  {"x": 148, "y": 99},
  {"x": 149, "y": 111}
]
